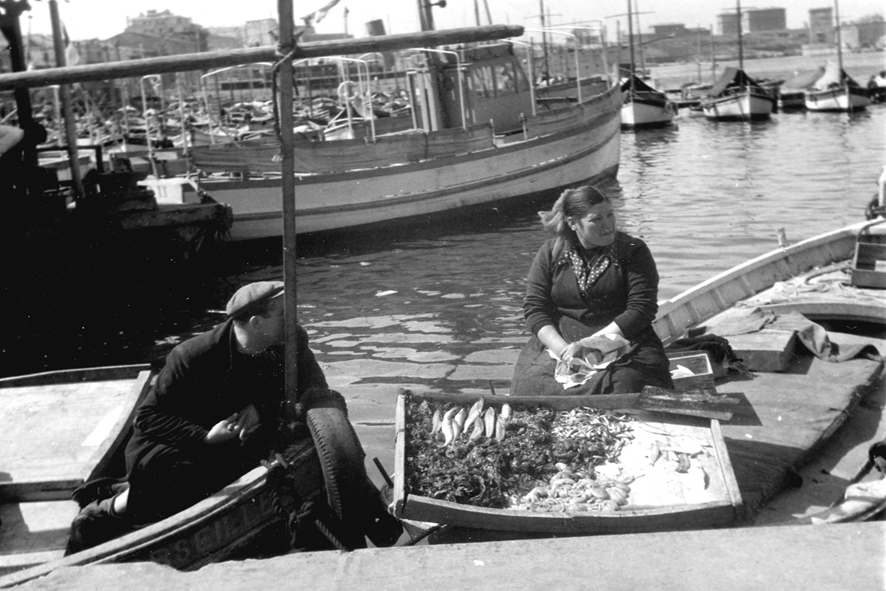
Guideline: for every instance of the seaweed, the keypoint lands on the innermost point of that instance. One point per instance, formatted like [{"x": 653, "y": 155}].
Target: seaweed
[{"x": 490, "y": 472}]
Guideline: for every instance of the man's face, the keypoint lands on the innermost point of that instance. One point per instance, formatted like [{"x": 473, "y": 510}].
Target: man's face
[{"x": 271, "y": 328}]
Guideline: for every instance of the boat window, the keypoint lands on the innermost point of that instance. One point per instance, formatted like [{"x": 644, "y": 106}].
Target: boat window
[
  {"x": 506, "y": 79},
  {"x": 483, "y": 82}
]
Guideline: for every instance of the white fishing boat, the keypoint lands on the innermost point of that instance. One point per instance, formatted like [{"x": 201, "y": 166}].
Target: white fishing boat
[
  {"x": 642, "y": 105},
  {"x": 836, "y": 90},
  {"x": 477, "y": 137},
  {"x": 736, "y": 96}
]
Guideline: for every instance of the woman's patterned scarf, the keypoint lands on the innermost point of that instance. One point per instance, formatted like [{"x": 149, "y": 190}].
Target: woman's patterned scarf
[{"x": 587, "y": 272}]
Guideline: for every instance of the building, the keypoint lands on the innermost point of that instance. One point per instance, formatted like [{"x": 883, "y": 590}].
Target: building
[
  {"x": 821, "y": 25},
  {"x": 166, "y": 25},
  {"x": 753, "y": 20}
]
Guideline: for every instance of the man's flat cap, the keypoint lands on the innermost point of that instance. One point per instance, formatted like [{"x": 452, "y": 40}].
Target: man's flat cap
[{"x": 249, "y": 297}]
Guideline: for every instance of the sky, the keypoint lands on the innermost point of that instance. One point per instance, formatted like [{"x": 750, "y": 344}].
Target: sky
[{"x": 90, "y": 19}]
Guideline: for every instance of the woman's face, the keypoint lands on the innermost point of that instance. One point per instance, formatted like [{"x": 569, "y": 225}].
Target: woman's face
[{"x": 597, "y": 227}]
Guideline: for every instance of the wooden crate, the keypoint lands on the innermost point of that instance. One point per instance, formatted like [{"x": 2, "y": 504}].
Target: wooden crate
[
  {"x": 869, "y": 265},
  {"x": 767, "y": 350},
  {"x": 678, "y": 504},
  {"x": 699, "y": 364}
]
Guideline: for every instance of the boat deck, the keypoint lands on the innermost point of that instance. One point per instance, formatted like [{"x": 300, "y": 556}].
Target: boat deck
[{"x": 61, "y": 429}]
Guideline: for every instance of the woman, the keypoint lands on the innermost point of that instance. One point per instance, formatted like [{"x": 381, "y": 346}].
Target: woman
[{"x": 590, "y": 280}]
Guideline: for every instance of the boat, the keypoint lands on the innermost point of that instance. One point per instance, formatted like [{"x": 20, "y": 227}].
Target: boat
[
  {"x": 642, "y": 105},
  {"x": 228, "y": 523},
  {"x": 792, "y": 94},
  {"x": 836, "y": 90},
  {"x": 471, "y": 142},
  {"x": 877, "y": 87},
  {"x": 63, "y": 428},
  {"x": 808, "y": 322},
  {"x": 736, "y": 96}
]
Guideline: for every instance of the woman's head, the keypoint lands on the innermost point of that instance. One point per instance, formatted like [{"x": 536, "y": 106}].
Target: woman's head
[{"x": 584, "y": 214}]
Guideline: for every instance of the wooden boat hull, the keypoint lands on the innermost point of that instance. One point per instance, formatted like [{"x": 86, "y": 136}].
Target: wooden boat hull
[
  {"x": 212, "y": 530},
  {"x": 584, "y": 148},
  {"x": 643, "y": 112},
  {"x": 842, "y": 99},
  {"x": 638, "y": 115},
  {"x": 742, "y": 106}
]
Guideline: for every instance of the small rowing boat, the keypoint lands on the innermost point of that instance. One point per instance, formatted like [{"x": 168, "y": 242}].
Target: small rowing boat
[{"x": 808, "y": 321}]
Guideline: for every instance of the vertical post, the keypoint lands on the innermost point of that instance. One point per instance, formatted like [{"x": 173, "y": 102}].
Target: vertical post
[
  {"x": 284, "y": 8},
  {"x": 67, "y": 111},
  {"x": 740, "y": 49},
  {"x": 631, "y": 43},
  {"x": 839, "y": 40}
]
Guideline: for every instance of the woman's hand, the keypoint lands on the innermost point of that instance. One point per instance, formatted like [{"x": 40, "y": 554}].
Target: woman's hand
[{"x": 570, "y": 351}]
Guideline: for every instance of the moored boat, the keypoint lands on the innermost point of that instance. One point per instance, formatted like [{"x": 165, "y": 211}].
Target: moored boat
[
  {"x": 468, "y": 147},
  {"x": 737, "y": 97},
  {"x": 644, "y": 106},
  {"x": 835, "y": 90},
  {"x": 792, "y": 94},
  {"x": 808, "y": 321},
  {"x": 64, "y": 428}
]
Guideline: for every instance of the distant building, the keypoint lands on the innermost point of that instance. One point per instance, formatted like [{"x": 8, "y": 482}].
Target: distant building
[
  {"x": 166, "y": 25},
  {"x": 753, "y": 20},
  {"x": 677, "y": 30},
  {"x": 257, "y": 33},
  {"x": 821, "y": 25}
]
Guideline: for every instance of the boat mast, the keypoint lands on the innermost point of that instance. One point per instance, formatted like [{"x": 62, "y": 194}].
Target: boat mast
[
  {"x": 631, "y": 43},
  {"x": 544, "y": 41},
  {"x": 740, "y": 50},
  {"x": 839, "y": 39}
]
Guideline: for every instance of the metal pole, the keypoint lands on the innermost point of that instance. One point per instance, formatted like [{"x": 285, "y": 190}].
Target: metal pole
[
  {"x": 67, "y": 111},
  {"x": 284, "y": 8}
]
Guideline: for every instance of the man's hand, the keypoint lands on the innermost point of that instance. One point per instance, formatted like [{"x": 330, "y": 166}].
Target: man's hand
[
  {"x": 222, "y": 431},
  {"x": 247, "y": 422},
  {"x": 240, "y": 424}
]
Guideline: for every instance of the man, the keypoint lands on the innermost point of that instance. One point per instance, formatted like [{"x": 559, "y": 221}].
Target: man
[{"x": 210, "y": 417}]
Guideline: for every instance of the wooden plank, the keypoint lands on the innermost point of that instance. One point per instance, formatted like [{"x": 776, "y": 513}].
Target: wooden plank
[
  {"x": 60, "y": 432},
  {"x": 699, "y": 402}
]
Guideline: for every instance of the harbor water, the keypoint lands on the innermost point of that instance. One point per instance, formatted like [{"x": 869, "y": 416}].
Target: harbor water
[{"x": 437, "y": 305}]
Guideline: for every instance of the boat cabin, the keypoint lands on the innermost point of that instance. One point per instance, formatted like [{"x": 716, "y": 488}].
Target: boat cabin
[{"x": 471, "y": 86}]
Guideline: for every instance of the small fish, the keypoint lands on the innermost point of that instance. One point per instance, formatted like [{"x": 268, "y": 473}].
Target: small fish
[
  {"x": 436, "y": 422},
  {"x": 446, "y": 428},
  {"x": 489, "y": 418},
  {"x": 476, "y": 411},
  {"x": 478, "y": 430}
]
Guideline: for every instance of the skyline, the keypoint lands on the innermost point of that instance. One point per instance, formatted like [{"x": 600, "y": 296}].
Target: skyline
[{"x": 90, "y": 19}]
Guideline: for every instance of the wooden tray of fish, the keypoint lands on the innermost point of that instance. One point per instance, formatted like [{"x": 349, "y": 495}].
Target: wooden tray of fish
[{"x": 559, "y": 465}]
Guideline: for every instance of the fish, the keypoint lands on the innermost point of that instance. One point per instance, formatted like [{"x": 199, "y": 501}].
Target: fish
[{"x": 489, "y": 419}]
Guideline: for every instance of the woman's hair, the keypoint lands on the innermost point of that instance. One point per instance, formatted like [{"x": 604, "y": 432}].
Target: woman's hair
[{"x": 572, "y": 203}]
